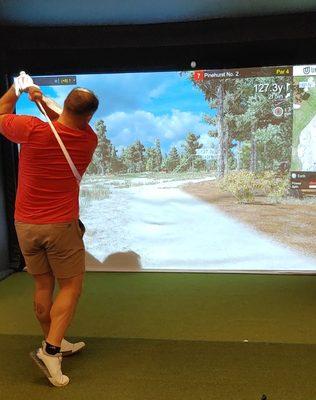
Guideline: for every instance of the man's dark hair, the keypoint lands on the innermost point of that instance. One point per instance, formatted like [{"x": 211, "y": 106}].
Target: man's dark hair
[{"x": 81, "y": 101}]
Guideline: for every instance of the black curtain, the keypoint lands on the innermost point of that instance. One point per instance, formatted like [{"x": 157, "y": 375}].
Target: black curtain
[
  {"x": 4, "y": 240},
  {"x": 11, "y": 259}
]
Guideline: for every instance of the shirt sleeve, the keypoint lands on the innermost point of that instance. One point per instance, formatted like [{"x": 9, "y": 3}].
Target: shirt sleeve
[{"x": 17, "y": 128}]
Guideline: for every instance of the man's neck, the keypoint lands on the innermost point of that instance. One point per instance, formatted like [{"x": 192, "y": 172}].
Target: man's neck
[{"x": 72, "y": 122}]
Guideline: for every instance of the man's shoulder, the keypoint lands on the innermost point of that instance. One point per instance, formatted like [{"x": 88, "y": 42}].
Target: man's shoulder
[
  {"x": 14, "y": 121},
  {"x": 18, "y": 128},
  {"x": 35, "y": 120},
  {"x": 23, "y": 119},
  {"x": 92, "y": 134}
]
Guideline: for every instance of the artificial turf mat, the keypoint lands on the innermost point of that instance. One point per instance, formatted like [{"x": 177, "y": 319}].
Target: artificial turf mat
[
  {"x": 134, "y": 369},
  {"x": 170, "y": 336},
  {"x": 261, "y": 308}
]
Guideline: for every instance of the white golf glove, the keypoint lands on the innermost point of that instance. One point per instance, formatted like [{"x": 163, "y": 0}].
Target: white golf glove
[{"x": 22, "y": 83}]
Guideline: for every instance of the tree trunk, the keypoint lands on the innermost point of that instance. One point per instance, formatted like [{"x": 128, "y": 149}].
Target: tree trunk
[
  {"x": 253, "y": 156},
  {"x": 265, "y": 156},
  {"x": 238, "y": 156},
  {"x": 221, "y": 133},
  {"x": 226, "y": 150}
]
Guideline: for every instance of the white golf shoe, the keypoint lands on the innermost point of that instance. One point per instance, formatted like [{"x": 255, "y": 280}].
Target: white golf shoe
[
  {"x": 68, "y": 349},
  {"x": 51, "y": 366}
]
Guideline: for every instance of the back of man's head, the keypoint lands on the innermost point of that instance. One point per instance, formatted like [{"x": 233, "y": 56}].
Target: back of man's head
[{"x": 81, "y": 102}]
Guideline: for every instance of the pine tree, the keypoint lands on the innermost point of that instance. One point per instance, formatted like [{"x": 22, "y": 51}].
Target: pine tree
[
  {"x": 139, "y": 156},
  {"x": 219, "y": 92},
  {"x": 191, "y": 146},
  {"x": 115, "y": 163},
  {"x": 268, "y": 137},
  {"x": 172, "y": 160},
  {"x": 101, "y": 159},
  {"x": 134, "y": 157},
  {"x": 158, "y": 155},
  {"x": 151, "y": 159},
  {"x": 243, "y": 114}
]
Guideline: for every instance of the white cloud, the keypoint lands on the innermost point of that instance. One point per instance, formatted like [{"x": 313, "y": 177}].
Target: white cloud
[
  {"x": 124, "y": 128},
  {"x": 158, "y": 91}
]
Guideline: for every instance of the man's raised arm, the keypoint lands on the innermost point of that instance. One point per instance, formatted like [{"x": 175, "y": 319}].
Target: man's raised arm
[
  {"x": 24, "y": 83},
  {"x": 8, "y": 101},
  {"x": 52, "y": 109},
  {"x": 9, "y": 126}
]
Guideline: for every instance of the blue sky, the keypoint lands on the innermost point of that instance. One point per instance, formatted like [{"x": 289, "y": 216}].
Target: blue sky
[{"x": 142, "y": 106}]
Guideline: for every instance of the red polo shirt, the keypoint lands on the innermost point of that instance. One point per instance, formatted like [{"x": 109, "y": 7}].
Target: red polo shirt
[{"x": 47, "y": 189}]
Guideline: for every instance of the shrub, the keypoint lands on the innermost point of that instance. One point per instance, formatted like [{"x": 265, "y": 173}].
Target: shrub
[
  {"x": 273, "y": 185},
  {"x": 245, "y": 185},
  {"x": 241, "y": 184}
]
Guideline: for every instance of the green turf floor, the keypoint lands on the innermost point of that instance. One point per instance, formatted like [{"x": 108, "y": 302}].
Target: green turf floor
[
  {"x": 171, "y": 336},
  {"x": 211, "y": 307},
  {"x": 138, "y": 369}
]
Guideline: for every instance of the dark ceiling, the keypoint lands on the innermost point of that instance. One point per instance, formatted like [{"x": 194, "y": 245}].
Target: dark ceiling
[{"x": 119, "y": 12}]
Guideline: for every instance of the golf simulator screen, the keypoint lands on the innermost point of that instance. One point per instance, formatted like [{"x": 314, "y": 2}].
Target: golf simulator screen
[{"x": 199, "y": 171}]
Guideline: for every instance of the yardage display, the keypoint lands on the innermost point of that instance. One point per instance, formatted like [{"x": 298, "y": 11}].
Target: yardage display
[{"x": 55, "y": 80}]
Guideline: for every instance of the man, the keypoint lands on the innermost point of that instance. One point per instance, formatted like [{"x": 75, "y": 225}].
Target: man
[{"x": 47, "y": 211}]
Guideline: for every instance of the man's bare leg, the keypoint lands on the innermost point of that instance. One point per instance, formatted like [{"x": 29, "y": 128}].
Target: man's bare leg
[
  {"x": 61, "y": 312},
  {"x": 63, "y": 308},
  {"x": 43, "y": 299}
]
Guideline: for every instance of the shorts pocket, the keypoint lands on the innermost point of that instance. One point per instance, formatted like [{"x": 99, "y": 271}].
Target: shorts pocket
[{"x": 81, "y": 227}]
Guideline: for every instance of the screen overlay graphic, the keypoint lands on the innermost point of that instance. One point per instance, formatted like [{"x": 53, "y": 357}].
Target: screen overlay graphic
[{"x": 211, "y": 170}]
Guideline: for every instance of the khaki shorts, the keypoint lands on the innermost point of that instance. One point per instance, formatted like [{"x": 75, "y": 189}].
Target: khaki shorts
[{"x": 57, "y": 248}]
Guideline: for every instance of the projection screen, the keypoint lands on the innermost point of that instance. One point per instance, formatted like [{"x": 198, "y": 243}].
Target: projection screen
[{"x": 199, "y": 171}]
